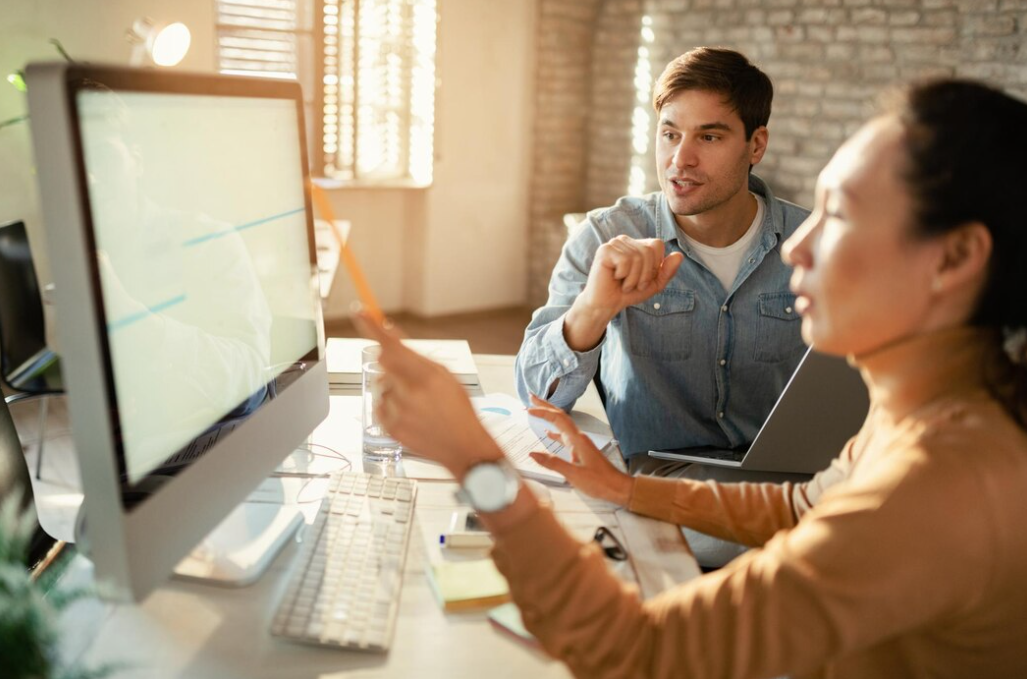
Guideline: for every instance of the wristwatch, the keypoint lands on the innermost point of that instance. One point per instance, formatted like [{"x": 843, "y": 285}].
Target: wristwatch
[{"x": 490, "y": 486}]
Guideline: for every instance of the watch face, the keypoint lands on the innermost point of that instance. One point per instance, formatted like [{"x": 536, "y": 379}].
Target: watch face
[{"x": 490, "y": 487}]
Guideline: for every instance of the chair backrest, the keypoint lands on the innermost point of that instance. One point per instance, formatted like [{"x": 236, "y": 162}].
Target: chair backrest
[
  {"x": 22, "y": 329},
  {"x": 15, "y": 478}
]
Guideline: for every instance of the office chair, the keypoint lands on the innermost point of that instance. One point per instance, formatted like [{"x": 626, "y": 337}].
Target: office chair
[
  {"x": 27, "y": 367},
  {"x": 14, "y": 478}
]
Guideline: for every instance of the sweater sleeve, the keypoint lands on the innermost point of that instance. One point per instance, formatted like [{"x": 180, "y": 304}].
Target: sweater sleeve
[
  {"x": 747, "y": 513},
  {"x": 849, "y": 575}
]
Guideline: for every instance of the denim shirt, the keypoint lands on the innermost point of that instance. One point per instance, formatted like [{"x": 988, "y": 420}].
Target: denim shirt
[{"x": 694, "y": 365}]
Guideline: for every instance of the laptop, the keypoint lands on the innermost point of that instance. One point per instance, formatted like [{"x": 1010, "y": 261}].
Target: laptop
[{"x": 823, "y": 405}]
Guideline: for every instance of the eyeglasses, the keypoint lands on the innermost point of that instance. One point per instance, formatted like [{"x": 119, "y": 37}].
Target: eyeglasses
[{"x": 612, "y": 547}]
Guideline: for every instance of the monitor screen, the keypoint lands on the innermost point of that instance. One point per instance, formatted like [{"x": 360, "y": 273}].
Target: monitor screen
[
  {"x": 198, "y": 217},
  {"x": 178, "y": 224}
]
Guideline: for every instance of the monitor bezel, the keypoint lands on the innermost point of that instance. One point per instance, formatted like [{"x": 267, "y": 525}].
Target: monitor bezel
[
  {"x": 133, "y": 552},
  {"x": 79, "y": 78}
]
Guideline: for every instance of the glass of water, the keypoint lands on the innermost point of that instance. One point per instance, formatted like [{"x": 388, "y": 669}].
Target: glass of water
[{"x": 378, "y": 445}]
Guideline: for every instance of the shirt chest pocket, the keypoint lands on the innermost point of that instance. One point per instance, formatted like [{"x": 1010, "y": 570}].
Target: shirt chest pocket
[
  {"x": 778, "y": 330},
  {"x": 661, "y": 326}
]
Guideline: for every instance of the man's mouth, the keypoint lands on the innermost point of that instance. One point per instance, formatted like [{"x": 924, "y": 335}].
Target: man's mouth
[{"x": 684, "y": 183}]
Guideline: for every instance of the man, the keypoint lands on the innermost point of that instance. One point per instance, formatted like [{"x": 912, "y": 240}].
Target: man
[{"x": 679, "y": 299}]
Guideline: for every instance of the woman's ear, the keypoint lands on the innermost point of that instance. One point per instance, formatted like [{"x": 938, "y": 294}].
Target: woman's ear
[{"x": 965, "y": 253}]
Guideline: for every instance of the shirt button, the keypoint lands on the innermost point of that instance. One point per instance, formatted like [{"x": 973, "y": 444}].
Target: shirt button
[
  {"x": 751, "y": 260},
  {"x": 656, "y": 305},
  {"x": 566, "y": 362},
  {"x": 788, "y": 309},
  {"x": 723, "y": 361},
  {"x": 720, "y": 414},
  {"x": 724, "y": 308}
]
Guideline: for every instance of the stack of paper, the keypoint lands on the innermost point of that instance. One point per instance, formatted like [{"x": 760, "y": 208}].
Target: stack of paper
[
  {"x": 344, "y": 358},
  {"x": 467, "y": 585}
]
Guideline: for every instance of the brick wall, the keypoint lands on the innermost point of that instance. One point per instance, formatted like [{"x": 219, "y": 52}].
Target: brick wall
[
  {"x": 828, "y": 59},
  {"x": 562, "y": 111}
]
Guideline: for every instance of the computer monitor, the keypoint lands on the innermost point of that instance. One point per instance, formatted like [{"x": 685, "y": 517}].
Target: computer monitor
[{"x": 179, "y": 231}]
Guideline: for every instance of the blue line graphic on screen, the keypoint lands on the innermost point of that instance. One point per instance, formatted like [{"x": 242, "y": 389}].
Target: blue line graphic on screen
[
  {"x": 140, "y": 315},
  {"x": 242, "y": 227}
]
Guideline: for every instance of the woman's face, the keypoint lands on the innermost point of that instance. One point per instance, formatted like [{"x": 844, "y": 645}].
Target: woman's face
[{"x": 863, "y": 279}]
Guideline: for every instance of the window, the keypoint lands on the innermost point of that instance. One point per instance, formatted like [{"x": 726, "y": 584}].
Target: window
[{"x": 373, "y": 63}]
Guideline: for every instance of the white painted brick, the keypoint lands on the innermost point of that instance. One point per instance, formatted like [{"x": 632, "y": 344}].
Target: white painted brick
[
  {"x": 990, "y": 25},
  {"x": 933, "y": 36},
  {"x": 870, "y": 15},
  {"x": 907, "y": 18},
  {"x": 812, "y": 15},
  {"x": 840, "y": 51},
  {"x": 876, "y": 53},
  {"x": 873, "y": 34},
  {"x": 924, "y": 72},
  {"x": 824, "y": 34}
]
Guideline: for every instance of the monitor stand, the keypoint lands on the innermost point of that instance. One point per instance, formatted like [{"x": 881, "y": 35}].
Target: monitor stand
[{"x": 242, "y": 546}]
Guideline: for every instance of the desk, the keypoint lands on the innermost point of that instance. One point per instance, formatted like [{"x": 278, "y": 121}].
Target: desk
[{"x": 202, "y": 632}]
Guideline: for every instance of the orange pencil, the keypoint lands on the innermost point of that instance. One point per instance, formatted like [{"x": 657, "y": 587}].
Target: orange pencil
[{"x": 355, "y": 272}]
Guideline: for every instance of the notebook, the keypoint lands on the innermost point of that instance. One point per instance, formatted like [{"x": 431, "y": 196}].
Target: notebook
[
  {"x": 822, "y": 406},
  {"x": 344, "y": 358}
]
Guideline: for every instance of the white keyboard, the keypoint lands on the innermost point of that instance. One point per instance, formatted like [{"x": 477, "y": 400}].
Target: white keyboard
[{"x": 345, "y": 589}]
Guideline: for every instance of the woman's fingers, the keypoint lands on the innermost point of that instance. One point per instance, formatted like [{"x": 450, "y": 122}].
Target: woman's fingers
[
  {"x": 403, "y": 363},
  {"x": 554, "y": 463}
]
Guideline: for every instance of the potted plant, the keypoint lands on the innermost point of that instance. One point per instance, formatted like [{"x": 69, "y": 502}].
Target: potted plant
[{"x": 30, "y": 605}]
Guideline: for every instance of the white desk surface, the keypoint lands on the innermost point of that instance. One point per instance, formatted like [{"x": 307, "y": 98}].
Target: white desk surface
[{"x": 203, "y": 632}]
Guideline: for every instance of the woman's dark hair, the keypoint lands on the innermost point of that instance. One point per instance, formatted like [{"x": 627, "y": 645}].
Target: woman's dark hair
[{"x": 963, "y": 141}]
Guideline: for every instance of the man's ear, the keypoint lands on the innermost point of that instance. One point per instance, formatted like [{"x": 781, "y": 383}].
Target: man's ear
[
  {"x": 760, "y": 136},
  {"x": 965, "y": 254}
]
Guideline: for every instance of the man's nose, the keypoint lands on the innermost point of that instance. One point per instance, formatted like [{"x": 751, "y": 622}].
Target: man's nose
[{"x": 685, "y": 155}]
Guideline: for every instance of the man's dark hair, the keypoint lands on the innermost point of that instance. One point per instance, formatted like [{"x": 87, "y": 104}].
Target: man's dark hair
[{"x": 744, "y": 87}]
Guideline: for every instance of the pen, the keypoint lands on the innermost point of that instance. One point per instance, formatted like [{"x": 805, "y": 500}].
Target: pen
[
  {"x": 465, "y": 540},
  {"x": 355, "y": 272}
]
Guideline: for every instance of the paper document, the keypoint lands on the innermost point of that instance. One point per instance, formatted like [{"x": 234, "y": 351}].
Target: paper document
[
  {"x": 344, "y": 358},
  {"x": 517, "y": 434}
]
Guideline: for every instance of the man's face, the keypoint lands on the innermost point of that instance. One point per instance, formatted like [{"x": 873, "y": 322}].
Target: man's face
[{"x": 702, "y": 155}]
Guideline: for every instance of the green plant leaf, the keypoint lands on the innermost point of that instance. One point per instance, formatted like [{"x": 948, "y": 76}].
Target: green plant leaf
[{"x": 18, "y": 80}]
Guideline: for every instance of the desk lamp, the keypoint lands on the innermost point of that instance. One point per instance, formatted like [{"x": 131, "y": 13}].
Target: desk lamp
[{"x": 161, "y": 44}]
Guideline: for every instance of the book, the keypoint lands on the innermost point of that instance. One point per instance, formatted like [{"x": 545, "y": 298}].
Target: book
[{"x": 343, "y": 354}]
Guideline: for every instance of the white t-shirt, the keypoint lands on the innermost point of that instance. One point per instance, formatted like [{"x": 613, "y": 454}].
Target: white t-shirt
[{"x": 725, "y": 262}]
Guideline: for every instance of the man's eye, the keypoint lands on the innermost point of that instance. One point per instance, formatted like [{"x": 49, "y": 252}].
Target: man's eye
[{"x": 710, "y": 137}]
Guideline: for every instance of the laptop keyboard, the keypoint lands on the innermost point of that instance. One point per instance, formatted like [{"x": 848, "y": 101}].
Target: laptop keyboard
[{"x": 344, "y": 591}]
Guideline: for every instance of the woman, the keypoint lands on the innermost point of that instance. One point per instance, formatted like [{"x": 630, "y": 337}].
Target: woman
[{"x": 907, "y": 557}]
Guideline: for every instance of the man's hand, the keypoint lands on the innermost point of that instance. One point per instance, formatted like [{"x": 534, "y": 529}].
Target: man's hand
[
  {"x": 625, "y": 271},
  {"x": 589, "y": 471}
]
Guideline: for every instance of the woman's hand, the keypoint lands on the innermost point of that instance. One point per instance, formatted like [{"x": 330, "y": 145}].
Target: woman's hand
[
  {"x": 589, "y": 471},
  {"x": 425, "y": 408}
]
